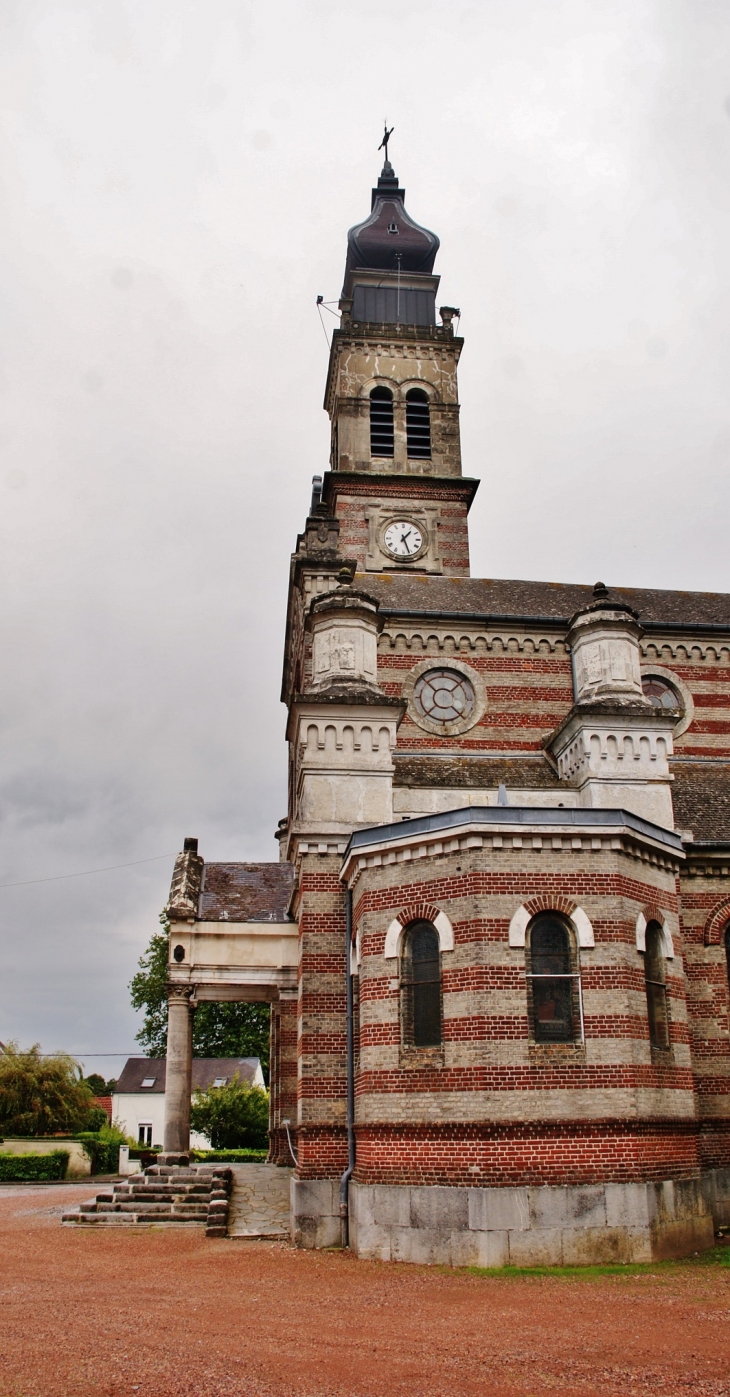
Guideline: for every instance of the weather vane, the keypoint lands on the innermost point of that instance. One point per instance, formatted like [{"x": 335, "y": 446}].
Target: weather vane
[{"x": 384, "y": 143}]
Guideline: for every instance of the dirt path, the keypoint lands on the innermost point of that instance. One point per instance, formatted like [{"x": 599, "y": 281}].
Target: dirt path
[{"x": 169, "y": 1315}]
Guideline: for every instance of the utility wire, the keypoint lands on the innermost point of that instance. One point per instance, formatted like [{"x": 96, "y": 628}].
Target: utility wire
[{"x": 60, "y": 877}]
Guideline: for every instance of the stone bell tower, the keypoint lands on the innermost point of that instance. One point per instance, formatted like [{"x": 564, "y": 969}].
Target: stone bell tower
[{"x": 392, "y": 397}]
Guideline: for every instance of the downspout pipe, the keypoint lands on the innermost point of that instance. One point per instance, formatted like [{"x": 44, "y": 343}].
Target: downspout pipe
[{"x": 345, "y": 1180}]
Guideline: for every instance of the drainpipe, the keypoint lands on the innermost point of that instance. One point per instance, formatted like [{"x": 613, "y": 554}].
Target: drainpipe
[{"x": 345, "y": 1180}]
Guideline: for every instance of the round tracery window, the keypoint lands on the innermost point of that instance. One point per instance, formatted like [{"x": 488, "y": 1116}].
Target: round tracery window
[
  {"x": 661, "y": 694},
  {"x": 444, "y": 696}
]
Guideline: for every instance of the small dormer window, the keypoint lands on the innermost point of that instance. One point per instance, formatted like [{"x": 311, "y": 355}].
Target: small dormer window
[
  {"x": 381, "y": 422},
  {"x": 393, "y": 228},
  {"x": 220, "y": 1081},
  {"x": 148, "y": 1081}
]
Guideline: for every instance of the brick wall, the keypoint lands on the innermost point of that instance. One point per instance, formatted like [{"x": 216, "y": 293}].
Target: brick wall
[
  {"x": 557, "y": 1152},
  {"x": 322, "y": 1026},
  {"x": 704, "y": 891},
  {"x": 490, "y": 1072}
]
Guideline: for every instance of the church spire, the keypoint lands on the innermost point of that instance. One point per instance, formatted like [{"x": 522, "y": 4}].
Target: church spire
[{"x": 389, "y": 269}]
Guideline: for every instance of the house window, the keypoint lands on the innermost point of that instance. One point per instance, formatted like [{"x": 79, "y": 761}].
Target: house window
[
  {"x": 148, "y": 1081},
  {"x": 727, "y": 952},
  {"x": 421, "y": 986},
  {"x": 418, "y": 424},
  {"x": 381, "y": 422},
  {"x": 553, "y": 979},
  {"x": 656, "y": 988},
  {"x": 220, "y": 1081},
  {"x": 144, "y": 1134}
]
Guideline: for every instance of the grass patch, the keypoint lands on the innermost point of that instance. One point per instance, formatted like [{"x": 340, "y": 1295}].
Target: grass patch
[{"x": 716, "y": 1256}]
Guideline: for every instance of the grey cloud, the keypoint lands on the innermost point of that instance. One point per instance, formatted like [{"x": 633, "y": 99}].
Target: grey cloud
[{"x": 163, "y": 367}]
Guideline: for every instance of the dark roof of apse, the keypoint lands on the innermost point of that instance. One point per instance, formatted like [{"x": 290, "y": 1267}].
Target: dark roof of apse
[
  {"x": 370, "y": 244},
  {"x": 701, "y": 799},
  {"x": 246, "y": 892},
  {"x": 553, "y": 602},
  {"x": 700, "y": 789}
]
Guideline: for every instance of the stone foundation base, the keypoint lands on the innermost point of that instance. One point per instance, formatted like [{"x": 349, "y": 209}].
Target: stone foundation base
[
  {"x": 578, "y": 1225},
  {"x": 315, "y": 1213},
  {"x": 716, "y": 1193}
]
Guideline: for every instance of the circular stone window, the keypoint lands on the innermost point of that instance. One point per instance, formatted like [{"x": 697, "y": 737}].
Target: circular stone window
[
  {"x": 444, "y": 696},
  {"x": 661, "y": 694}
]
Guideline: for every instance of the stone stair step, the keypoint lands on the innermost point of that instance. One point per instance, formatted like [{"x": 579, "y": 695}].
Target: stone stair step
[{"x": 162, "y": 1197}]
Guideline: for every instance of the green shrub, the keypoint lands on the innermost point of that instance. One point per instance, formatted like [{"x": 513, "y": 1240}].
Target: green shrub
[
  {"x": 235, "y": 1116},
  {"x": 229, "y": 1156},
  {"x": 34, "y": 1166},
  {"x": 101, "y": 1147}
]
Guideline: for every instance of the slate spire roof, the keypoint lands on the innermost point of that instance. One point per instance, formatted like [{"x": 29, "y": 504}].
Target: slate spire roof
[{"x": 388, "y": 231}]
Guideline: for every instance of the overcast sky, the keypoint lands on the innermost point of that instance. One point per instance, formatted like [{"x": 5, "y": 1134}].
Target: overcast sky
[{"x": 177, "y": 182}]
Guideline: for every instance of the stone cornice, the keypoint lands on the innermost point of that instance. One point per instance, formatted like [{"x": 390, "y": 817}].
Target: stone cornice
[
  {"x": 505, "y": 827},
  {"x": 385, "y": 483},
  {"x": 432, "y": 337}
]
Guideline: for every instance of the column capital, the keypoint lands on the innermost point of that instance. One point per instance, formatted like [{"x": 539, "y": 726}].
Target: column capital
[{"x": 181, "y": 992}]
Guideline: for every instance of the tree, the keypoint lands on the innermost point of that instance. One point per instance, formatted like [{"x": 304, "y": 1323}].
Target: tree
[
  {"x": 219, "y": 1030},
  {"x": 235, "y": 1116},
  {"x": 44, "y": 1094},
  {"x": 99, "y": 1086}
]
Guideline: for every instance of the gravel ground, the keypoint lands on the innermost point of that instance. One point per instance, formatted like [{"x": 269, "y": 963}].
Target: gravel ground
[{"x": 169, "y": 1314}]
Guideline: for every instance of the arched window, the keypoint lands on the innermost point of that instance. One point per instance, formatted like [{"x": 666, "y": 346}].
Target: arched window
[
  {"x": 656, "y": 989},
  {"x": 421, "y": 986},
  {"x": 553, "y": 981},
  {"x": 381, "y": 422},
  {"x": 418, "y": 424}
]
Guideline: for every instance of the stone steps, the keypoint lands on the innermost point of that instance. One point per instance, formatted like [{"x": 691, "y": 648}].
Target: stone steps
[
  {"x": 259, "y": 1205},
  {"x": 163, "y": 1196}
]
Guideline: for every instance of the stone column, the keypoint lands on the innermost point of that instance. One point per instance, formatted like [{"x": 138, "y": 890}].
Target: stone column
[{"x": 178, "y": 1084}]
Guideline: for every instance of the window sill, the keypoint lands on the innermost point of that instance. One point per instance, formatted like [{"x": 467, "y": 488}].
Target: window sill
[
  {"x": 550, "y": 1054},
  {"x": 418, "y": 1059}
]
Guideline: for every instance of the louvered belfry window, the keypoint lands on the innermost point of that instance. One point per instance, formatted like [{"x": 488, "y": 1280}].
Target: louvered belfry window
[
  {"x": 418, "y": 424},
  {"x": 381, "y": 422},
  {"x": 421, "y": 986},
  {"x": 656, "y": 988}
]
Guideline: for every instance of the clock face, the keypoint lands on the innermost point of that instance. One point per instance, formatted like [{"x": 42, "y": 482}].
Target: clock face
[{"x": 403, "y": 539}]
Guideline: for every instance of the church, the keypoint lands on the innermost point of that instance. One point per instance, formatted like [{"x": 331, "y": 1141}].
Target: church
[{"x": 496, "y": 944}]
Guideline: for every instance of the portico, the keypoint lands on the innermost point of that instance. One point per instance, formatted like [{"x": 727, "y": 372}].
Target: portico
[{"x": 230, "y": 940}]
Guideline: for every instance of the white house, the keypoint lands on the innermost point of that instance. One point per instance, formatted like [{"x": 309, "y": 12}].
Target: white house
[{"x": 138, "y": 1104}]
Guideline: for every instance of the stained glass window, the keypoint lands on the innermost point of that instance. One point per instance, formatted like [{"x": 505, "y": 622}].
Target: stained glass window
[
  {"x": 661, "y": 694},
  {"x": 656, "y": 989},
  {"x": 554, "y": 982},
  {"x": 421, "y": 985}
]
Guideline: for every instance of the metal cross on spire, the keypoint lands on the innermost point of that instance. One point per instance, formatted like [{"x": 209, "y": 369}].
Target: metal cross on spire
[{"x": 386, "y": 137}]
